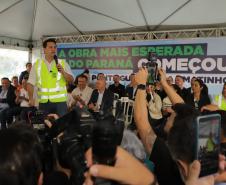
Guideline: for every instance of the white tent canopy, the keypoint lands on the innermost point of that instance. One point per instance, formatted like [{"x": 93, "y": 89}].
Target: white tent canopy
[{"x": 32, "y": 19}]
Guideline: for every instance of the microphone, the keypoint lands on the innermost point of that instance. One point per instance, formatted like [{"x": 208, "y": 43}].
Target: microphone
[{"x": 56, "y": 60}]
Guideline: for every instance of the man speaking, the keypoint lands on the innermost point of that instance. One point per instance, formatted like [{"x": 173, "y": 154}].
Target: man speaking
[{"x": 50, "y": 77}]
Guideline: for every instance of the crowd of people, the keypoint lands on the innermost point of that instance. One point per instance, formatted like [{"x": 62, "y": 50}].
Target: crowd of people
[{"x": 164, "y": 118}]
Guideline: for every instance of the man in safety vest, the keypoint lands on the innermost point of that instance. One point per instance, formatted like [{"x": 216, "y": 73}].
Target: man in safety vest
[
  {"x": 50, "y": 77},
  {"x": 219, "y": 102}
]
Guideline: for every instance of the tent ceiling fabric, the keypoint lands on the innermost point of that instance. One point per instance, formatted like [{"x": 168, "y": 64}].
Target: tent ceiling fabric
[{"x": 32, "y": 19}]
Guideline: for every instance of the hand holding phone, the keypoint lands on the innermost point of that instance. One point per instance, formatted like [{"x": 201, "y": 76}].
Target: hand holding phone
[{"x": 208, "y": 143}]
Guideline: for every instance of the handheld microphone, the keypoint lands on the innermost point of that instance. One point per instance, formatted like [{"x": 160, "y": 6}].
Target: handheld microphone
[{"x": 56, "y": 60}]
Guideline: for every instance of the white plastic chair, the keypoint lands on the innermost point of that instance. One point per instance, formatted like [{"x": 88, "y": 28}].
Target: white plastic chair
[
  {"x": 128, "y": 109},
  {"x": 116, "y": 98}
]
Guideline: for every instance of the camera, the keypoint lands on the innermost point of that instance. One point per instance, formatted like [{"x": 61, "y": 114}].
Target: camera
[
  {"x": 37, "y": 119},
  {"x": 80, "y": 132},
  {"x": 152, "y": 68}
]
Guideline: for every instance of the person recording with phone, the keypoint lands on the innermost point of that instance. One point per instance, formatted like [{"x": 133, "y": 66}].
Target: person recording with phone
[
  {"x": 50, "y": 76},
  {"x": 179, "y": 152}
]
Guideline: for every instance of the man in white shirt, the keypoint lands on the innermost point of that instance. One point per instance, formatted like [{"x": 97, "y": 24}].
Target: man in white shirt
[
  {"x": 50, "y": 77},
  {"x": 82, "y": 92}
]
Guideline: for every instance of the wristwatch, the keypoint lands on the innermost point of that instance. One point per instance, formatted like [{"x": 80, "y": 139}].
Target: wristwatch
[{"x": 141, "y": 87}]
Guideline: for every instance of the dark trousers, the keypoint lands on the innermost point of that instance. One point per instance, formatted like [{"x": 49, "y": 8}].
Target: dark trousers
[{"x": 59, "y": 108}]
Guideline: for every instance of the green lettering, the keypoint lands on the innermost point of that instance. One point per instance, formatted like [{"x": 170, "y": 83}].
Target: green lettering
[
  {"x": 71, "y": 53},
  {"x": 188, "y": 50},
  {"x": 119, "y": 63},
  {"x": 168, "y": 50},
  {"x": 113, "y": 52},
  {"x": 72, "y": 64},
  {"x": 93, "y": 53},
  {"x": 159, "y": 51},
  {"x": 85, "y": 53},
  {"x": 61, "y": 54},
  {"x": 79, "y": 64},
  {"x": 111, "y": 64},
  {"x": 128, "y": 64},
  {"x": 104, "y": 52},
  {"x": 177, "y": 51},
  {"x": 78, "y": 52},
  {"x": 103, "y": 63},
  {"x": 198, "y": 50},
  {"x": 88, "y": 63},
  {"x": 135, "y": 51},
  {"x": 96, "y": 64},
  {"x": 125, "y": 52},
  {"x": 143, "y": 52}
]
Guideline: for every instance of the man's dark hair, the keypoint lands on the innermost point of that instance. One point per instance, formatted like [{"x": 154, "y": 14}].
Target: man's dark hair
[
  {"x": 20, "y": 156},
  {"x": 29, "y": 63},
  {"x": 182, "y": 77},
  {"x": 5, "y": 78},
  {"x": 82, "y": 76},
  {"x": 181, "y": 138},
  {"x": 48, "y": 40}
]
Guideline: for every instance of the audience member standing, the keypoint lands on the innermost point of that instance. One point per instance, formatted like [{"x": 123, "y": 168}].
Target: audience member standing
[
  {"x": 116, "y": 87},
  {"x": 26, "y": 72},
  {"x": 179, "y": 81},
  {"x": 199, "y": 97}
]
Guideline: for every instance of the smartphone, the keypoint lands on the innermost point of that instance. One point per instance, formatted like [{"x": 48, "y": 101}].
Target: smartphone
[
  {"x": 208, "y": 143},
  {"x": 152, "y": 68}
]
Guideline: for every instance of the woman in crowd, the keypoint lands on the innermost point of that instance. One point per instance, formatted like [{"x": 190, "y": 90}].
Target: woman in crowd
[{"x": 199, "y": 96}]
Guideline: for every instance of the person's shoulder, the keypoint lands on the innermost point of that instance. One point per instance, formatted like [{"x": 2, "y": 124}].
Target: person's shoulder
[
  {"x": 111, "y": 86},
  {"x": 109, "y": 92},
  {"x": 23, "y": 72},
  {"x": 122, "y": 85},
  {"x": 89, "y": 88}
]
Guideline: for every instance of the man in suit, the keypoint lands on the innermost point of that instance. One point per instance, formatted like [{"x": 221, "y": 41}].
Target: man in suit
[
  {"x": 7, "y": 99},
  {"x": 116, "y": 87},
  {"x": 132, "y": 87},
  {"x": 101, "y": 98}
]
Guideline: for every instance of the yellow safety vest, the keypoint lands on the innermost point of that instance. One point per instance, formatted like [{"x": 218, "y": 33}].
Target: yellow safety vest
[
  {"x": 51, "y": 84},
  {"x": 220, "y": 102}
]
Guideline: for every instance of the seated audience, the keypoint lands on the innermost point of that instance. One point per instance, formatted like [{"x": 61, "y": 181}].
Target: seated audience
[
  {"x": 7, "y": 99},
  {"x": 82, "y": 92},
  {"x": 154, "y": 104},
  {"x": 131, "y": 88},
  {"x": 15, "y": 83},
  {"x": 22, "y": 100},
  {"x": 101, "y": 98}
]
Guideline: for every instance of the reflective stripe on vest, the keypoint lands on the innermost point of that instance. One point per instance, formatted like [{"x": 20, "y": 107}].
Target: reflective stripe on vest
[
  {"x": 219, "y": 100},
  {"x": 53, "y": 94}
]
